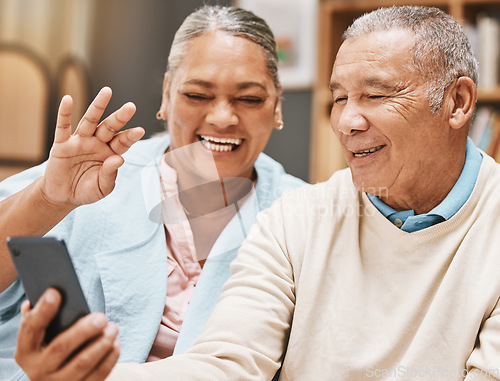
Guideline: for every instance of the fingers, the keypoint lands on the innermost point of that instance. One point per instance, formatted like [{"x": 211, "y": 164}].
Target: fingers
[
  {"x": 108, "y": 172},
  {"x": 96, "y": 360},
  {"x": 32, "y": 331},
  {"x": 125, "y": 139},
  {"x": 34, "y": 322},
  {"x": 87, "y": 350},
  {"x": 66, "y": 343},
  {"x": 120, "y": 144},
  {"x": 63, "y": 123},
  {"x": 108, "y": 363},
  {"x": 89, "y": 125},
  {"x": 108, "y": 128},
  {"x": 90, "y": 120},
  {"x": 92, "y": 338}
]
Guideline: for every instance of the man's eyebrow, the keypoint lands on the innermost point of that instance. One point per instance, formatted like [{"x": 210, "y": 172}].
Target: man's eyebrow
[
  {"x": 334, "y": 85},
  {"x": 379, "y": 84},
  {"x": 369, "y": 82}
]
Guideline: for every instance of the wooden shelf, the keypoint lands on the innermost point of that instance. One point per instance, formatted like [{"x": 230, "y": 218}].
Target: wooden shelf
[
  {"x": 489, "y": 96},
  {"x": 334, "y": 16}
]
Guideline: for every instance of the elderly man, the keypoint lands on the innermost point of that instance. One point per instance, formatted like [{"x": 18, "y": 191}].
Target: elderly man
[{"x": 389, "y": 269}]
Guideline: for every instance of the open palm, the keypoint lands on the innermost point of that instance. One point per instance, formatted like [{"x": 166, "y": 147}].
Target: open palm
[{"x": 82, "y": 166}]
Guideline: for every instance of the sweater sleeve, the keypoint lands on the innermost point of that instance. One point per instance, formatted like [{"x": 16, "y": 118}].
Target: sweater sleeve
[
  {"x": 484, "y": 361},
  {"x": 246, "y": 336}
]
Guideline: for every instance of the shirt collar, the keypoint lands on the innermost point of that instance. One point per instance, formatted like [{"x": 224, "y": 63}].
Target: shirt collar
[{"x": 452, "y": 203}]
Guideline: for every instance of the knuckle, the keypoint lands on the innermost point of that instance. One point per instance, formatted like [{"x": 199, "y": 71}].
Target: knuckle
[
  {"x": 83, "y": 362},
  {"x": 64, "y": 114},
  {"x": 28, "y": 324},
  {"x": 109, "y": 128},
  {"x": 90, "y": 119},
  {"x": 120, "y": 142},
  {"x": 18, "y": 356},
  {"x": 58, "y": 347},
  {"x": 126, "y": 141},
  {"x": 106, "y": 343},
  {"x": 129, "y": 137},
  {"x": 25, "y": 322},
  {"x": 63, "y": 125},
  {"x": 99, "y": 107},
  {"x": 119, "y": 119}
]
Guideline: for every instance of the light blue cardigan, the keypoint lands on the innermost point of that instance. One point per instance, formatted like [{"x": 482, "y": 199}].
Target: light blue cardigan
[{"x": 118, "y": 248}]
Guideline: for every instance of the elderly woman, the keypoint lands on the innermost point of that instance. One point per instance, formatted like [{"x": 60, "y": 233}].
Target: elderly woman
[{"x": 171, "y": 218}]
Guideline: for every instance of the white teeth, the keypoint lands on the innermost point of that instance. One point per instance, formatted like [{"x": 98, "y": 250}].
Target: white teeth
[
  {"x": 366, "y": 152},
  {"x": 221, "y": 140},
  {"x": 222, "y": 144},
  {"x": 215, "y": 147}
]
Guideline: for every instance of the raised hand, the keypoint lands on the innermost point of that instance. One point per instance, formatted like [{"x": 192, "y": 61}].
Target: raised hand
[
  {"x": 81, "y": 169},
  {"x": 82, "y": 166}
]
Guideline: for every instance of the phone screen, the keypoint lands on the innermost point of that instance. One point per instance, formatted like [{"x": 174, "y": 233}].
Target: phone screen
[{"x": 44, "y": 262}]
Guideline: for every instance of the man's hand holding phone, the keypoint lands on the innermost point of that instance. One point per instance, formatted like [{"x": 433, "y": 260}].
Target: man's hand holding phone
[
  {"x": 58, "y": 339},
  {"x": 88, "y": 350}
]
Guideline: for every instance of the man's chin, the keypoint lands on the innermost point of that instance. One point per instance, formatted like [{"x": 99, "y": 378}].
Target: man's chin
[{"x": 371, "y": 187}]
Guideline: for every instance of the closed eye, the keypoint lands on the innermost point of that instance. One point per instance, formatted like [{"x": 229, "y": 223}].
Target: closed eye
[
  {"x": 340, "y": 100},
  {"x": 197, "y": 96},
  {"x": 376, "y": 96},
  {"x": 250, "y": 100}
]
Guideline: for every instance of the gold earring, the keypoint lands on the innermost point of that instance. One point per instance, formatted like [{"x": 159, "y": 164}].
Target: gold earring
[
  {"x": 159, "y": 116},
  {"x": 280, "y": 125}
]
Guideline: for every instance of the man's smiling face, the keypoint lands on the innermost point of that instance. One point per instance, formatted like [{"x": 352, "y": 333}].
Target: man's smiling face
[{"x": 381, "y": 115}]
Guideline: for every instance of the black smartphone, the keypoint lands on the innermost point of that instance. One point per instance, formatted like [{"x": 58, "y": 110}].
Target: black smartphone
[{"x": 44, "y": 262}]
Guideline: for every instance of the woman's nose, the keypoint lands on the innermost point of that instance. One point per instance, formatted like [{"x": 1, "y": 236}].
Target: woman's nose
[{"x": 222, "y": 115}]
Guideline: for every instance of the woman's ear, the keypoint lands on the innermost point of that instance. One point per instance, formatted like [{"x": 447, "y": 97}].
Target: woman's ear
[
  {"x": 278, "y": 115},
  {"x": 164, "y": 99},
  {"x": 463, "y": 96}
]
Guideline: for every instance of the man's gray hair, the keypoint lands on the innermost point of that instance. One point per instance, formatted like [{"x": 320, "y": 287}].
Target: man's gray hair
[
  {"x": 231, "y": 20},
  {"x": 442, "y": 51}
]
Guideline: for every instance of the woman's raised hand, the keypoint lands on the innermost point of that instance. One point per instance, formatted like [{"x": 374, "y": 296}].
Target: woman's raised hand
[{"x": 82, "y": 166}]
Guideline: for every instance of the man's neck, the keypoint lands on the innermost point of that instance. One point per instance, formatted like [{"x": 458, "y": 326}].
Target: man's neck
[{"x": 425, "y": 195}]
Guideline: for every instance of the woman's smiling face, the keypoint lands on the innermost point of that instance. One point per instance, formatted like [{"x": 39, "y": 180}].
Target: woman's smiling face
[{"x": 223, "y": 96}]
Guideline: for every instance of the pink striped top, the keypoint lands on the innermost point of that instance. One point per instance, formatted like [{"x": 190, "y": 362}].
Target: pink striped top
[{"x": 183, "y": 266}]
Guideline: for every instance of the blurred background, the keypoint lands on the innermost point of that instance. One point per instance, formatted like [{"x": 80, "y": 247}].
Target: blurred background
[
  {"x": 80, "y": 46},
  {"x": 52, "y": 47}
]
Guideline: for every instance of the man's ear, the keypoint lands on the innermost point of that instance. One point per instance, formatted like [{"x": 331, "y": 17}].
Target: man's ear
[{"x": 463, "y": 97}]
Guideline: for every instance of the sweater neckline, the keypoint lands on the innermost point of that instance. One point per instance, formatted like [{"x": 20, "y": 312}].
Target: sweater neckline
[{"x": 455, "y": 222}]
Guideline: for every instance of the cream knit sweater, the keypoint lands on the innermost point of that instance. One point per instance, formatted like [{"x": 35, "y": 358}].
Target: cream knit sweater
[{"x": 327, "y": 278}]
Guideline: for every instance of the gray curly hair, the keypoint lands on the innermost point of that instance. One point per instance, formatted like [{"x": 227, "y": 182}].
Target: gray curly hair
[
  {"x": 442, "y": 51},
  {"x": 234, "y": 21}
]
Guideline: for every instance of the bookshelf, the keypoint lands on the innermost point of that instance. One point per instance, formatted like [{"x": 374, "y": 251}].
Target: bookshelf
[{"x": 334, "y": 16}]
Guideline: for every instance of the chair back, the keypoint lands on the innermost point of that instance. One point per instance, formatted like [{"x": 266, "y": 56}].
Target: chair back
[
  {"x": 73, "y": 79},
  {"x": 24, "y": 105}
]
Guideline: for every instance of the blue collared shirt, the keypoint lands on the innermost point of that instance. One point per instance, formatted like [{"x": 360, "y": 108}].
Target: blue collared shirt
[{"x": 459, "y": 194}]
